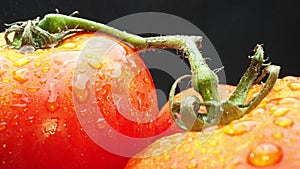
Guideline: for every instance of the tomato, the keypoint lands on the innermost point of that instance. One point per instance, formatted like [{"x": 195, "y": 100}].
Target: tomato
[
  {"x": 267, "y": 137},
  {"x": 39, "y": 124}
]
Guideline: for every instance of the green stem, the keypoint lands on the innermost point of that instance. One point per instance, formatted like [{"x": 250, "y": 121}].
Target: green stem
[
  {"x": 55, "y": 23},
  {"x": 240, "y": 94}
]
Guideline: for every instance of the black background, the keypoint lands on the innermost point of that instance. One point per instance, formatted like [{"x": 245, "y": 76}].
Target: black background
[{"x": 234, "y": 27}]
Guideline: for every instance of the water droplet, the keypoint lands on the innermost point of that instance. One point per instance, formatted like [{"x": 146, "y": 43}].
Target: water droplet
[
  {"x": 30, "y": 120},
  {"x": 294, "y": 86},
  {"x": 5, "y": 79},
  {"x": 289, "y": 100},
  {"x": 277, "y": 112},
  {"x": 53, "y": 91},
  {"x": 290, "y": 79},
  {"x": 101, "y": 123},
  {"x": 37, "y": 64},
  {"x": 277, "y": 88},
  {"x": 43, "y": 81},
  {"x": 80, "y": 87},
  {"x": 51, "y": 106},
  {"x": 203, "y": 150},
  {"x": 217, "y": 151},
  {"x": 21, "y": 75},
  {"x": 23, "y": 61},
  {"x": 234, "y": 129},
  {"x": 265, "y": 154},
  {"x": 69, "y": 45},
  {"x": 277, "y": 135},
  {"x": 20, "y": 106},
  {"x": 45, "y": 69},
  {"x": 213, "y": 142},
  {"x": 50, "y": 126},
  {"x": 166, "y": 157},
  {"x": 33, "y": 89},
  {"x": 95, "y": 63},
  {"x": 3, "y": 66},
  {"x": 3, "y": 125},
  {"x": 16, "y": 93},
  {"x": 284, "y": 122},
  {"x": 192, "y": 164},
  {"x": 37, "y": 74}
]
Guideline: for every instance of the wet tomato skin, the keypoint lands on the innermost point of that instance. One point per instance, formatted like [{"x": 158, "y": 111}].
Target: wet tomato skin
[
  {"x": 38, "y": 123},
  {"x": 268, "y": 137}
]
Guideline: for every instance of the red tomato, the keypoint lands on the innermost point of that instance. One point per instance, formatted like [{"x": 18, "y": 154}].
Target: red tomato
[
  {"x": 39, "y": 126},
  {"x": 266, "y": 138}
]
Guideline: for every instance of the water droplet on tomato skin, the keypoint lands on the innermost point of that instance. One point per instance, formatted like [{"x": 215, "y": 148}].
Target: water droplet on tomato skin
[
  {"x": 239, "y": 128},
  {"x": 22, "y": 107},
  {"x": 6, "y": 79},
  {"x": 80, "y": 85},
  {"x": 283, "y": 122},
  {"x": 23, "y": 61},
  {"x": 21, "y": 75},
  {"x": 277, "y": 135},
  {"x": 69, "y": 45},
  {"x": 3, "y": 67},
  {"x": 101, "y": 123},
  {"x": 3, "y": 125},
  {"x": 33, "y": 89},
  {"x": 265, "y": 154},
  {"x": 50, "y": 126},
  {"x": 193, "y": 164},
  {"x": 51, "y": 106},
  {"x": 281, "y": 111},
  {"x": 45, "y": 69},
  {"x": 294, "y": 86},
  {"x": 16, "y": 93}
]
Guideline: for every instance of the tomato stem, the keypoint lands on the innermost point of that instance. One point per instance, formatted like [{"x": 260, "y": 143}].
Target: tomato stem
[{"x": 49, "y": 31}]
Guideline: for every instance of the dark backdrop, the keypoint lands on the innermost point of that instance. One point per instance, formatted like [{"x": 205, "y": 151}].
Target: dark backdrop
[{"x": 234, "y": 27}]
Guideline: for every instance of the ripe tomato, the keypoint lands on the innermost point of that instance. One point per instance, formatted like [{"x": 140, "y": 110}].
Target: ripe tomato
[
  {"x": 38, "y": 123},
  {"x": 268, "y": 137}
]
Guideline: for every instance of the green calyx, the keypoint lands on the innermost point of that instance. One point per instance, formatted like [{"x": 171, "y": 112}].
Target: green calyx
[{"x": 53, "y": 28}]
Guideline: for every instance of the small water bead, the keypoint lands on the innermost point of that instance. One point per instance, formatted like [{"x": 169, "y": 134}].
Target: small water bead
[
  {"x": 50, "y": 126},
  {"x": 193, "y": 164},
  {"x": 51, "y": 106},
  {"x": 80, "y": 87},
  {"x": 3, "y": 66},
  {"x": 289, "y": 100},
  {"x": 277, "y": 135},
  {"x": 101, "y": 123},
  {"x": 16, "y": 93},
  {"x": 20, "y": 106},
  {"x": 213, "y": 143},
  {"x": 265, "y": 154},
  {"x": 3, "y": 125},
  {"x": 281, "y": 111},
  {"x": 69, "y": 45},
  {"x": 294, "y": 86},
  {"x": 5, "y": 79},
  {"x": 21, "y": 75},
  {"x": 23, "y": 61},
  {"x": 37, "y": 64},
  {"x": 284, "y": 122},
  {"x": 234, "y": 129},
  {"x": 45, "y": 69},
  {"x": 290, "y": 79}
]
